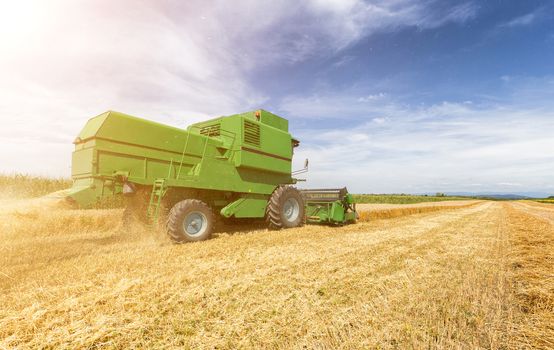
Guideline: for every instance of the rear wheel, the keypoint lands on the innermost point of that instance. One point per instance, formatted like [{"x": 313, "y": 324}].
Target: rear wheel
[
  {"x": 285, "y": 208},
  {"x": 190, "y": 220}
]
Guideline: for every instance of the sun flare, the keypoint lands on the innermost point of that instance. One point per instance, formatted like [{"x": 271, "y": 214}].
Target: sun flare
[{"x": 20, "y": 23}]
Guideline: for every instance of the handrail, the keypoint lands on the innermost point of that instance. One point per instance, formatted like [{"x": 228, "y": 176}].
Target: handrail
[
  {"x": 228, "y": 133},
  {"x": 183, "y": 156}
]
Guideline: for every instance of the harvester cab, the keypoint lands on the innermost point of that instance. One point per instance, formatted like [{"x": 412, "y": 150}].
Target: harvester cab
[{"x": 236, "y": 166}]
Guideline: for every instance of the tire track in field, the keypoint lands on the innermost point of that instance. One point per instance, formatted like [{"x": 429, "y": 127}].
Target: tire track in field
[
  {"x": 388, "y": 275},
  {"x": 538, "y": 211},
  {"x": 535, "y": 205},
  {"x": 531, "y": 231},
  {"x": 315, "y": 286}
]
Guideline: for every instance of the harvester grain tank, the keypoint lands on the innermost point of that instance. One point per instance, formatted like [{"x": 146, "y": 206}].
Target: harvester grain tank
[{"x": 237, "y": 166}]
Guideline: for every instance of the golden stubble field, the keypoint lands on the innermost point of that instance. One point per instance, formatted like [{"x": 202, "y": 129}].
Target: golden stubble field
[{"x": 454, "y": 275}]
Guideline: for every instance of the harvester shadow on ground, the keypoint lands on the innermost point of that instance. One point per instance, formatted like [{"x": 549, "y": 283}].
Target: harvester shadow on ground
[
  {"x": 140, "y": 231},
  {"x": 239, "y": 227}
]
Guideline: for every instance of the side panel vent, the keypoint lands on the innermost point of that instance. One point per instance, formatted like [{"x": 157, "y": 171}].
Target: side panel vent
[
  {"x": 211, "y": 130},
  {"x": 252, "y": 133}
]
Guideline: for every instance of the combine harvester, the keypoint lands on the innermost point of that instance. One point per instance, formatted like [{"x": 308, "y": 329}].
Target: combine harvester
[{"x": 237, "y": 166}]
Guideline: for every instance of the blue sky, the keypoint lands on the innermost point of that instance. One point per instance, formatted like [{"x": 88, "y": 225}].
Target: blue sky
[{"x": 386, "y": 96}]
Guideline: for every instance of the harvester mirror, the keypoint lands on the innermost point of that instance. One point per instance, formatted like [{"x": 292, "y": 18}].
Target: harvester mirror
[{"x": 303, "y": 170}]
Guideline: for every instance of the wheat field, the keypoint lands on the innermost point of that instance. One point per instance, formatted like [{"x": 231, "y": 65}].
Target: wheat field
[{"x": 467, "y": 275}]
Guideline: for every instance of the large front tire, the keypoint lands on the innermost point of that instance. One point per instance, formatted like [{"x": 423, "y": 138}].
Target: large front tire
[
  {"x": 285, "y": 208},
  {"x": 190, "y": 220}
]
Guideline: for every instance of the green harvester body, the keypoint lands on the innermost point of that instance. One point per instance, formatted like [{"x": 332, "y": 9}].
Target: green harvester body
[{"x": 232, "y": 163}]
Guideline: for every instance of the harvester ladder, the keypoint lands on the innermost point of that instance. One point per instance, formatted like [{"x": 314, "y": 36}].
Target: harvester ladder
[{"x": 158, "y": 191}]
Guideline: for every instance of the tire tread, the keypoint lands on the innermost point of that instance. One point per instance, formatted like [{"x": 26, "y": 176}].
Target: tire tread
[
  {"x": 273, "y": 210},
  {"x": 174, "y": 220}
]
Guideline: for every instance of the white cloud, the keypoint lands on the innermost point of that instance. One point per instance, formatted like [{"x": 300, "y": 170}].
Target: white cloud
[
  {"x": 343, "y": 61},
  {"x": 443, "y": 147},
  {"x": 63, "y": 61},
  {"x": 520, "y": 21},
  {"x": 506, "y": 78},
  {"x": 329, "y": 105},
  {"x": 509, "y": 184},
  {"x": 373, "y": 97},
  {"x": 527, "y": 19}
]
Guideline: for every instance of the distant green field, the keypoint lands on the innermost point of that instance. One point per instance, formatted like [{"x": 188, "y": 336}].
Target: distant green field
[
  {"x": 403, "y": 198},
  {"x": 546, "y": 200},
  {"x": 32, "y": 186}
]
